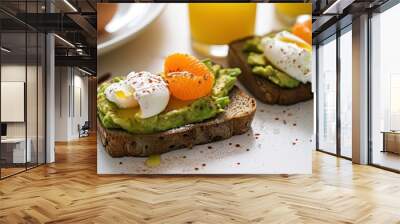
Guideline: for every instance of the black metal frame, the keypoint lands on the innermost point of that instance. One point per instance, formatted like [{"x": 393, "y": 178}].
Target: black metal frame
[
  {"x": 0, "y": 92},
  {"x": 338, "y": 98},
  {"x": 369, "y": 101},
  {"x": 316, "y": 97},
  {"x": 44, "y": 73}
]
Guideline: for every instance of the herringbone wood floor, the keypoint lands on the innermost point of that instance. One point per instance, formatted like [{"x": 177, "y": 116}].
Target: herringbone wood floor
[{"x": 69, "y": 191}]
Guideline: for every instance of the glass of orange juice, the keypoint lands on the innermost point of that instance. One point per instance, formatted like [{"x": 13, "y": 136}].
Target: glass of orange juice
[
  {"x": 288, "y": 12},
  {"x": 214, "y": 25}
]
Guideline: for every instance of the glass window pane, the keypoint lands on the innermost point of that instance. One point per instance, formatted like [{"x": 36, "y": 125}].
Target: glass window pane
[
  {"x": 13, "y": 85},
  {"x": 31, "y": 97},
  {"x": 23, "y": 89},
  {"x": 346, "y": 94},
  {"x": 385, "y": 93},
  {"x": 327, "y": 96},
  {"x": 41, "y": 98}
]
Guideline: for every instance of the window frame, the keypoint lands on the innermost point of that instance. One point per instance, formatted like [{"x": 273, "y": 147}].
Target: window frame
[
  {"x": 27, "y": 29},
  {"x": 381, "y": 9},
  {"x": 334, "y": 37}
]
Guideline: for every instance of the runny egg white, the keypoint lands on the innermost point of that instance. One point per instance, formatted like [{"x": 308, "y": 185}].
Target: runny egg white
[
  {"x": 290, "y": 54},
  {"x": 143, "y": 89}
]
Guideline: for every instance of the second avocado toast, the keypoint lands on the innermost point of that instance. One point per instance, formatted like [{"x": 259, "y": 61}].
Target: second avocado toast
[
  {"x": 276, "y": 67},
  {"x": 192, "y": 102}
]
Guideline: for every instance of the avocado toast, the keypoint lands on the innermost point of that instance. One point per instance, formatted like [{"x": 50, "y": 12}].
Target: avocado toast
[
  {"x": 281, "y": 78},
  {"x": 191, "y": 103}
]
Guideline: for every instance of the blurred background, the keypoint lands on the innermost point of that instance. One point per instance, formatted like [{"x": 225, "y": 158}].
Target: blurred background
[{"x": 203, "y": 30}]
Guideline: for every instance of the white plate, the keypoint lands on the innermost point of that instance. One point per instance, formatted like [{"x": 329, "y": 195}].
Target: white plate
[{"x": 127, "y": 22}]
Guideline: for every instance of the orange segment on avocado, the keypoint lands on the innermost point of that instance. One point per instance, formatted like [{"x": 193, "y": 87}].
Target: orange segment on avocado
[
  {"x": 186, "y": 86},
  {"x": 187, "y": 77},
  {"x": 303, "y": 29}
]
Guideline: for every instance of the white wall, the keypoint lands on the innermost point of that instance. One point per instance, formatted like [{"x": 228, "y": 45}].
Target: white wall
[
  {"x": 61, "y": 103},
  {"x": 33, "y": 127},
  {"x": 70, "y": 83},
  {"x": 14, "y": 73},
  {"x": 10, "y": 73},
  {"x": 81, "y": 100}
]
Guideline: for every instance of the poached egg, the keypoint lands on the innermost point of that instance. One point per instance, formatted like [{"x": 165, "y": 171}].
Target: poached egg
[
  {"x": 121, "y": 94},
  {"x": 143, "y": 89},
  {"x": 290, "y": 54}
]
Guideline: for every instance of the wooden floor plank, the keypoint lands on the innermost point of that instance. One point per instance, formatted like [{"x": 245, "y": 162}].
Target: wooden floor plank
[{"x": 70, "y": 191}]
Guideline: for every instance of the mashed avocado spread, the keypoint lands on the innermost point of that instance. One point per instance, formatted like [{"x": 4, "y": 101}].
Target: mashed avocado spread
[
  {"x": 177, "y": 113},
  {"x": 262, "y": 67}
]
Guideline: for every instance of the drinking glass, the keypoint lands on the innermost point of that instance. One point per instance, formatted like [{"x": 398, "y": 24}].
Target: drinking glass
[
  {"x": 214, "y": 25},
  {"x": 288, "y": 12}
]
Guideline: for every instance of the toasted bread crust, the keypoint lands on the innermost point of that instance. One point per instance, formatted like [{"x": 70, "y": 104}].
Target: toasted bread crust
[
  {"x": 235, "y": 120},
  {"x": 262, "y": 88}
]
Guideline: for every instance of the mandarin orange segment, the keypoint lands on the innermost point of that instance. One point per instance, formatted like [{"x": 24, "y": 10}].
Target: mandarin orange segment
[
  {"x": 303, "y": 30},
  {"x": 185, "y": 86},
  {"x": 183, "y": 62},
  {"x": 187, "y": 77}
]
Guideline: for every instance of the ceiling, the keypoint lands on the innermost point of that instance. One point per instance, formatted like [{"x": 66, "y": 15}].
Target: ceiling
[
  {"x": 56, "y": 5},
  {"x": 72, "y": 20},
  {"x": 329, "y": 16}
]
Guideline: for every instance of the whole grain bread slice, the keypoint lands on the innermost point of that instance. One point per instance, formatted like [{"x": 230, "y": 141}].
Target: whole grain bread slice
[
  {"x": 260, "y": 87},
  {"x": 235, "y": 120}
]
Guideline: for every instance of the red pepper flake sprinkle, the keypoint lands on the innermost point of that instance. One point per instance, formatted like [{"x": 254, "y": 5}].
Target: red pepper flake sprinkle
[
  {"x": 247, "y": 150},
  {"x": 203, "y": 164},
  {"x": 257, "y": 134},
  {"x": 230, "y": 143},
  {"x": 294, "y": 124},
  {"x": 293, "y": 143},
  {"x": 237, "y": 145},
  {"x": 210, "y": 147},
  {"x": 184, "y": 157},
  {"x": 196, "y": 168},
  {"x": 277, "y": 118},
  {"x": 238, "y": 163}
]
